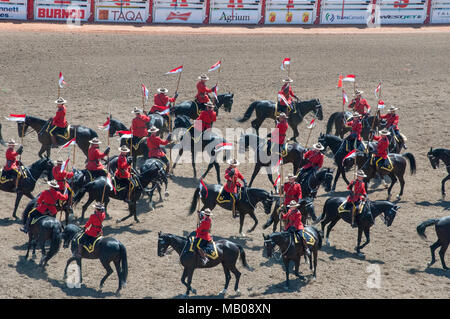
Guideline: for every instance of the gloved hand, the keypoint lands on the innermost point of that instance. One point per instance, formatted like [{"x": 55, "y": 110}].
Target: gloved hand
[
  {"x": 175, "y": 95},
  {"x": 107, "y": 150},
  {"x": 20, "y": 149},
  {"x": 129, "y": 160}
]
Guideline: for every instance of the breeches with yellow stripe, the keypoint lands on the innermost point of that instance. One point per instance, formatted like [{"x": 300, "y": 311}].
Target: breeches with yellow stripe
[
  {"x": 209, "y": 247},
  {"x": 58, "y": 131}
]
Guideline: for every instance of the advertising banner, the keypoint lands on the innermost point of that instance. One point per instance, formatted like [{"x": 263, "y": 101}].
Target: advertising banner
[
  {"x": 235, "y": 11},
  {"x": 13, "y": 9},
  {"x": 345, "y": 12},
  {"x": 179, "y": 11},
  {"x": 402, "y": 11},
  {"x": 290, "y": 11},
  {"x": 440, "y": 11},
  {"x": 122, "y": 11},
  {"x": 60, "y": 10}
]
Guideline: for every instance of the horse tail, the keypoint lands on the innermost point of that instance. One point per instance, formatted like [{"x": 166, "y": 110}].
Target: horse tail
[
  {"x": 124, "y": 271},
  {"x": 243, "y": 258},
  {"x": 56, "y": 240},
  {"x": 248, "y": 113},
  {"x": 412, "y": 162},
  {"x": 321, "y": 217},
  {"x": 421, "y": 228},
  {"x": 194, "y": 200},
  {"x": 331, "y": 121}
]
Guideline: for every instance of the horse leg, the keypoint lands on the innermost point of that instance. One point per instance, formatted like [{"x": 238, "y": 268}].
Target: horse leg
[
  {"x": 315, "y": 262},
  {"x": 193, "y": 162},
  {"x": 252, "y": 215},
  {"x": 42, "y": 150},
  {"x": 433, "y": 248},
  {"x": 237, "y": 274},
  {"x": 85, "y": 207},
  {"x": 30, "y": 238},
  {"x": 367, "y": 234},
  {"x": 255, "y": 172},
  {"x": 402, "y": 186},
  {"x": 217, "y": 167},
  {"x": 210, "y": 165},
  {"x": 241, "y": 223},
  {"x": 442, "y": 255},
  {"x": 67, "y": 266},
  {"x": 16, "y": 204},
  {"x": 344, "y": 176},
  {"x": 443, "y": 186},
  {"x": 109, "y": 271},
  {"x": 130, "y": 213},
  {"x": 270, "y": 177},
  {"x": 227, "y": 279},
  {"x": 393, "y": 181},
  {"x": 286, "y": 269},
  {"x": 358, "y": 247},
  {"x": 338, "y": 173},
  {"x": 296, "y": 134},
  {"x": 329, "y": 228},
  {"x": 190, "y": 274}
]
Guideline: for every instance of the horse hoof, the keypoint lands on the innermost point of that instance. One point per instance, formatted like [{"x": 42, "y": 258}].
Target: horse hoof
[
  {"x": 238, "y": 293},
  {"x": 328, "y": 243},
  {"x": 166, "y": 194},
  {"x": 118, "y": 221},
  {"x": 398, "y": 197},
  {"x": 222, "y": 293},
  {"x": 194, "y": 291},
  {"x": 243, "y": 235}
]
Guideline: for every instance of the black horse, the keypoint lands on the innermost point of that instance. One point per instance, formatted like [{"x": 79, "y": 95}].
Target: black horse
[
  {"x": 442, "y": 227},
  {"x": 337, "y": 119},
  {"x": 100, "y": 191},
  {"x": 309, "y": 187},
  {"x": 246, "y": 204},
  {"x": 444, "y": 155},
  {"x": 198, "y": 143},
  {"x": 364, "y": 220},
  {"x": 1, "y": 136},
  {"x": 291, "y": 251},
  {"x": 365, "y": 162},
  {"x": 27, "y": 183},
  {"x": 107, "y": 249},
  {"x": 258, "y": 144},
  {"x": 43, "y": 229},
  {"x": 227, "y": 255},
  {"x": 83, "y": 134},
  {"x": 266, "y": 109},
  {"x": 191, "y": 109}
]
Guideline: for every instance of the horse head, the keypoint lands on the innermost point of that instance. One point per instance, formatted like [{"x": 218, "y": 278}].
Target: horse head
[
  {"x": 267, "y": 203},
  {"x": 318, "y": 110},
  {"x": 390, "y": 215},
  {"x": 328, "y": 179},
  {"x": 226, "y": 100},
  {"x": 163, "y": 244},
  {"x": 22, "y": 128},
  {"x": 268, "y": 245},
  {"x": 47, "y": 167},
  {"x": 434, "y": 160},
  {"x": 69, "y": 233}
]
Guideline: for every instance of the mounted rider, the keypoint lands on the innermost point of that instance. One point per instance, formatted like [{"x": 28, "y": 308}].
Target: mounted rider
[
  {"x": 232, "y": 174},
  {"x": 354, "y": 140},
  {"x": 139, "y": 129},
  {"x": 94, "y": 166},
  {"x": 357, "y": 196},
  {"x": 122, "y": 175},
  {"x": 314, "y": 158},
  {"x": 93, "y": 229},
  {"x": 154, "y": 143},
  {"x": 292, "y": 190},
  {"x": 203, "y": 237},
  {"x": 202, "y": 96},
  {"x": 392, "y": 122},
  {"x": 278, "y": 136},
  {"x": 59, "y": 123},
  {"x": 380, "y": 159},
  {"x": 206, "y": 119},
  {"x": 287, "y": 95},
  {"x": 358, "y": 104},
  {"x": 294, "y": 223},
  {"x": 46, "y": 204},
  {"x": 12, "y": 169},
  {"x": 61, "y": 176},
  {"x": 161, "y": 101}
]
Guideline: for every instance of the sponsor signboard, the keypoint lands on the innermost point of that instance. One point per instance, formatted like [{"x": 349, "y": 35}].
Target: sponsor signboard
[
  {"x": 13, "y": 9},
  {"x": 440, "y": 11},
  {"x": 235, "y": 11},
  {"x": 179, "y": 11},
  {"x": 402, "y": 11},
  {"x": 123, "y": 11},
  {"x": 345, "y": 12},
  {"x": 290, "y": 12},
  {"x": 62, "y": 10}
]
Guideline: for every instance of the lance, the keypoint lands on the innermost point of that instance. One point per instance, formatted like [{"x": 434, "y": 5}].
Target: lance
[
  {"x": 311, "y": 126},
  {"x": 104, "y": 187},
  {"x": 377, "y": 114}
]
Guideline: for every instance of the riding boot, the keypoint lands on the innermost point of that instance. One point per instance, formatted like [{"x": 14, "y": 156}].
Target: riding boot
[
  {"x": 307, "y": 251},
  {"x": 353, "y": 217},
  {"x": 26, "y": 227},
  {"x": 203, "y": 257}
]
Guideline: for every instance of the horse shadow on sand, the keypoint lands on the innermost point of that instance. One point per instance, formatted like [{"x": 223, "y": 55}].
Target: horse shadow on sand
[
  {"x": 336, "y": 253},
  {"x": 440, "y": 203},
  {"x": 30, "y": 269},
  {"x": 439, "y": 272}
]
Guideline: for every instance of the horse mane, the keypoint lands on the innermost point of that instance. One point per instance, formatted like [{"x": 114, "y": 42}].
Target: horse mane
[
  {"x": 34, "y": 118},
  {"x": 440, "y": 152}
]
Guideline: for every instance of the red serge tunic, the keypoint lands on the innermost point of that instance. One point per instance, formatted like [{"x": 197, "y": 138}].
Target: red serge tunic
[
  {"x": 391, "y": 120},
  {"x": 203, "y": 229},
  {"x": 294, "y": 218},
  {"x": 139, "y": 125},
  {"x": 279, "y": 134},
  {"x": 292, "y": 192},
  {"x": 60, "y": 118},
  {"x": 61, "y": 177},
  {"x": 359, "y": 191},
  {"x": 360, "y": 106},
  {"x": 232, "y": 181},
  {"x": 94, "y": 224},
  {"x": 356, "y": 128},
  {"x": 207, "y": 117},
  {"x": 383, "y": 146},
  {"x": 161, "y": 102},
  {"x": 11, "y": 162},
  {"x": 94, "y": 156},
  {"x": 48, "y": 200},
  {"x": 202, "y": 91},
  {"x": 153, "y": 143},
  {"x": 315, "y": 159},
  {"x": 287, "y": 96},
  {"x": 123, "y": 168}
]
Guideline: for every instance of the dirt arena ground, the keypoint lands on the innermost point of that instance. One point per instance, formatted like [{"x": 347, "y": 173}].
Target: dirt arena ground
[{"x": 105, "y": 69}]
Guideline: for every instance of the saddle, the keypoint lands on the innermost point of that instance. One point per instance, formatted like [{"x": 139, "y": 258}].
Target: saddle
[
  {"x": 210, "y": 249},
  {"x": 347, "y": 117},
  {"x": 225, "y": 197},
  {"x": 382, "y": 164},
  {"x": 63, "y": 133},
  {"x": 346, "y": 208},
  {"x": 8, "y": 176},
  {"x": 136, "y": 145},
  {"x": 89, "y": 242},
  {"x": 309, "y": 239}
]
